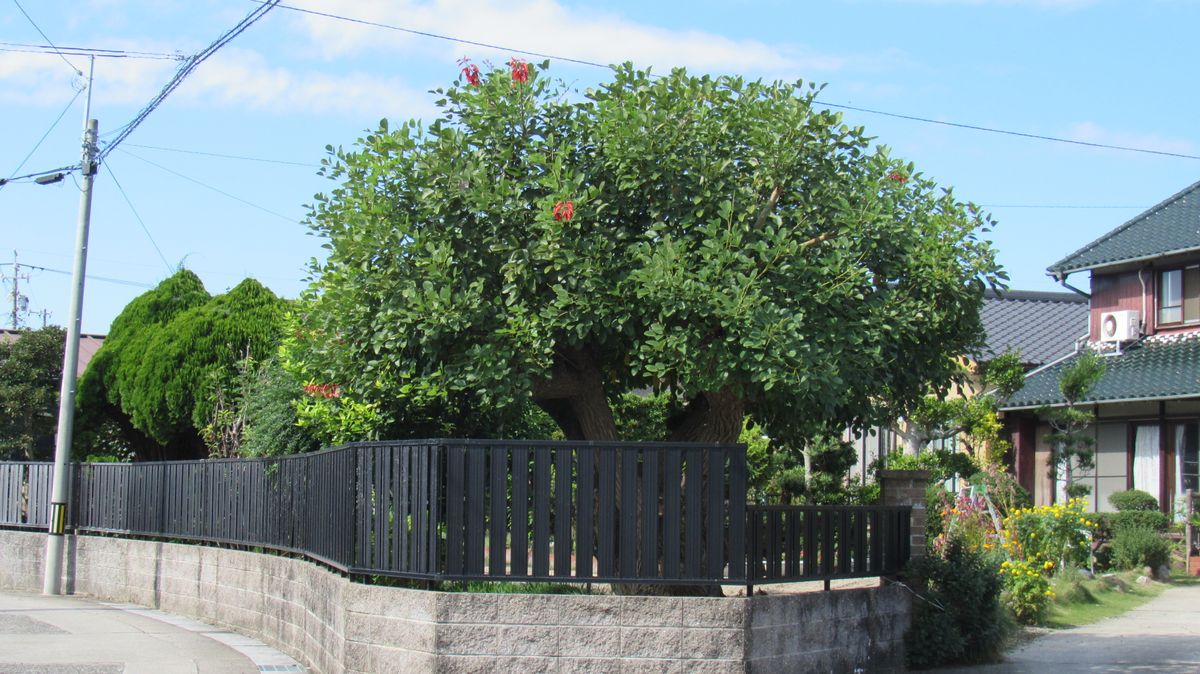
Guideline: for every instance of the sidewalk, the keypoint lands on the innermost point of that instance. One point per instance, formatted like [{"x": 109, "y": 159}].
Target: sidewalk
[
  {"x": 72, "y": 635},
  {"x": 1162, "y": 635}
]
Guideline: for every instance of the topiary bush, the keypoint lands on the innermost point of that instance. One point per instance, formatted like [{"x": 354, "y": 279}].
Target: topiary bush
[
  {"x": 1133, "y": 499},
  {"x": 1136, "y": 547},
  {"x": 962, "y": 620},
  {"x": 1107, "y": 524}
]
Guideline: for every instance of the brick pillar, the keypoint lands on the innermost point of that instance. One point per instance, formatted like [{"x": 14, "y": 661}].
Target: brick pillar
[{"x": 907, "y": 488}]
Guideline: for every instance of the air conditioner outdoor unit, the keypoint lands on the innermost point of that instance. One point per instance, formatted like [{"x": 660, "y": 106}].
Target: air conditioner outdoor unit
[{"x": 1119, "y": 326}]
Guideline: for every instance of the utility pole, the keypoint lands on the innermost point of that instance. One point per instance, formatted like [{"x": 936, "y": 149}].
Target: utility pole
[
  {"x": 66, "y": 408},
  {"x": 20, "y": 303}
]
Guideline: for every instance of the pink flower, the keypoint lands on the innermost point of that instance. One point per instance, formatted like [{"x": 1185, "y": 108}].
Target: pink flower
[
  {"x": 520, "y": 70},
  {"x": 564, "y": 210}
]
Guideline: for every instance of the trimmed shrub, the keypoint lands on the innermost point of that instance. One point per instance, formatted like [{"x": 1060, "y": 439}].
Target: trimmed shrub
[
  {"x": 962, "y": 620},
  {"x": 1133, "y": 499},
  {"x": 1107, "y": 524},
  {"x": 1134, "y": 547}
]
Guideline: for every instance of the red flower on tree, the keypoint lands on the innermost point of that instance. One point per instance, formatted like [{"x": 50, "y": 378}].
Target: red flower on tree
[
  {"x": 471, "y": 72},
  {"x": 323, "y": 390},
  {"x": 564, "y": 210},
  {"x": 898, "y": 177},
  {"x": 520, "y": 70}
]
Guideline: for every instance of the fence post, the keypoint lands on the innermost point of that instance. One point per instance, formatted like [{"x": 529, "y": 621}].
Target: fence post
[{"x": 907, "y": 488}]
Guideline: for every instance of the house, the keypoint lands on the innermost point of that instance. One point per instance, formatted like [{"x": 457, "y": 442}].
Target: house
[
  {"x": 88, "y": 345},
  {"x": 1041, "y": 326},
  {"x": 1145, "y": 320}
]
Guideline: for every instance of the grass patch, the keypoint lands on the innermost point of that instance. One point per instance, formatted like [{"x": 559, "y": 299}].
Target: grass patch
[{"x": 1080, "y": 601}]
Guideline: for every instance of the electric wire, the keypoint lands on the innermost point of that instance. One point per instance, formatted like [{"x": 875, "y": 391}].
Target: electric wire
[
  {"x": 1060, "y": 206},
  {"x": 88, "y": 51},
  {"x": 214, "y": 189},
  {"x": 185, "y": 69},
  {"x": 138, "y": 217},
  {"x": 224, "y": 156},
  {"x": 927, "y": 120},
  {"x": 107, "y": 279},
  {"x": 33, "y": 23},
  {"x": 42, "y": 139}
]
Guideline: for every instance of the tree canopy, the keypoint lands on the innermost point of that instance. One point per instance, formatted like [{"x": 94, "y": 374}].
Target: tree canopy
[
  {"x": 167, "y": 351},
  {"x": 30, "y": 378},
  {"x": 723, "y": 241}
]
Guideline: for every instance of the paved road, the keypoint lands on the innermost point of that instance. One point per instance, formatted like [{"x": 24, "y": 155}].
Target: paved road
[
  {"x": 1162, "y": 635},
  {"x": 71, "y": 635}
]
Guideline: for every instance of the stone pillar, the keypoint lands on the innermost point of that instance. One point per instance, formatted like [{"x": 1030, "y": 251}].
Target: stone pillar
[{"x": 907, "y": 488}]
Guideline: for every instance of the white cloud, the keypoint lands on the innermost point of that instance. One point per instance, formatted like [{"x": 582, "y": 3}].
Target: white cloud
[
  {"x": 232, "y": 78},
  {"x": 239, "y": 77},
  {"x": 1090, "y": 132},
  {"x": 547, "y": 26}
]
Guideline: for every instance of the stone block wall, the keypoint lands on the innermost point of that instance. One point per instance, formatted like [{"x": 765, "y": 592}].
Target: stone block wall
[
  {"x": 843, "y": 631},
  {"x": 335, "y": 626}
]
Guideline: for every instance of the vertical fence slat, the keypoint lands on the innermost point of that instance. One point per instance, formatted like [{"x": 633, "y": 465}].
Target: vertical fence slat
[
  {"x": 585, "y": 504},
  {"x": 693, "y": 513},
  {"x": 606, "y": 547},
  {"x": 649, "y": 509},
  {"x": 672, "y": 486},
  {"x": 498, "y": 496},
  {"x": 541, "y": 512},
  {"x": 563, "y": 479},
  {"x": 627, "y": 525},
  {"x": 520, "y": 512}
]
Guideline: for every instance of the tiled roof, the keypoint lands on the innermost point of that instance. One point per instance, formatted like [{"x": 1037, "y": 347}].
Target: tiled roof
[
  {"x": 1042, "y": 326},
  {"x": 1157, "y": 368},
  {"x": 1171, "y": 226},
  {"x": 88, "y": 346}
]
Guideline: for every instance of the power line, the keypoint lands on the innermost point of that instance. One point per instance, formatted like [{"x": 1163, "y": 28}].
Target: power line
[
  {"x": 42, "y": 139},
  {"x": 88, "y": 51},
  {"x": 215, "y": 189},
  {"x": 133, "y": 210},
  {"x": 927, "y": 120},
  {"x": 1065, "y": 206},
  {"x": 224, "y": 156},
  {"x": 436, "y": 36},
  {"x": 33, "y": 23},
  {"x": 106, "y": 279},
  {"x": 1021, "y": 134},
  {"x": 186, "y": 69}
]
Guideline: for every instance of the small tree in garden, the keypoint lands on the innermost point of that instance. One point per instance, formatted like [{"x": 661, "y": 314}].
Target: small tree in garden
[
  {"x": 971, "y": 417},
  {"x": 30, "y": 377},
  {"x": 1071, "y": 446},
  {"x": 721, "y": 241}
]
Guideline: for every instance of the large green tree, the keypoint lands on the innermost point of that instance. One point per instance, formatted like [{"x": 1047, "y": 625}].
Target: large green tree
[
  {"x": 723, "y": 241},
  {"x": 167, "y": 353},
  {"x": 30, "y": 378}
]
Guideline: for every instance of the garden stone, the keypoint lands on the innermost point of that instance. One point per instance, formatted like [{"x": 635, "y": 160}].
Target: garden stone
[
  {"x": 1143, "y": 580},
  {"x": 1164, "y": 573}
]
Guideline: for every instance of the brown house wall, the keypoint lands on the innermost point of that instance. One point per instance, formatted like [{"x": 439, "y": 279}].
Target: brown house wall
[{"x": 1120, "y": 292}]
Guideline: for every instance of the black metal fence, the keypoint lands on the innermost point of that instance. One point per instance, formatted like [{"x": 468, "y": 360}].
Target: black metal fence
[{"x": 483, "y": 510}]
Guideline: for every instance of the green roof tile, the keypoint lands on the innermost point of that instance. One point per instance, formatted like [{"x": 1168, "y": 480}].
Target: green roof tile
[
  {"x": 1155, "y": 369},
  {"x": 1171, "y": 226}
]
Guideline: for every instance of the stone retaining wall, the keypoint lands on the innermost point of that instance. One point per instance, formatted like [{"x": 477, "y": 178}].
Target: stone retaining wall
[{"x": 333, "y": 625}]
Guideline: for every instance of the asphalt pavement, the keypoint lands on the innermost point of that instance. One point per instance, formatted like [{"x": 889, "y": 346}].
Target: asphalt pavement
[
  {"x": 73, "y": 635},
  {"x": 1160, "y": 636}
]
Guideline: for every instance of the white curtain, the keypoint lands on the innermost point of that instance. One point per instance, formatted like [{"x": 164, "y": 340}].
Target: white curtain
[
  {"x": 1146, "y": 460},
  {"x": 1180, "y": 454}
]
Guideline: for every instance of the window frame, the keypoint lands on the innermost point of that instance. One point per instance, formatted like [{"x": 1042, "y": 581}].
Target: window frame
[{"x": 1186, "y": 296}]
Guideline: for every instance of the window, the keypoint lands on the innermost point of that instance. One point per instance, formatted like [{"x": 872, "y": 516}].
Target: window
[{"x": 1179, "y": 296}]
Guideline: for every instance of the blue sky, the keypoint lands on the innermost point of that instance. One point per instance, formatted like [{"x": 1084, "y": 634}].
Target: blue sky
[{"x": 1108, "y": 72}]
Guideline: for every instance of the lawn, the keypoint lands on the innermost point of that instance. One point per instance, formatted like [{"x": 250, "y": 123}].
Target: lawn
[{"x": 1081, "y": 601}]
